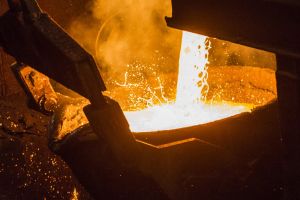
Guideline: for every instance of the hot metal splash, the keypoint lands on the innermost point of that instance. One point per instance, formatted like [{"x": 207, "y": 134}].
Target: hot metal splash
[{"x": 190, "y": 107}]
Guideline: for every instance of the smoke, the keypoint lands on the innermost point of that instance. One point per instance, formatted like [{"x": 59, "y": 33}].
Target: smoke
[
  {"x": 133, "y": 46},
  {"x": 105, "y": 9},
  {"x": 134, "y": 31},
  {"x": 120, "y": 32}
]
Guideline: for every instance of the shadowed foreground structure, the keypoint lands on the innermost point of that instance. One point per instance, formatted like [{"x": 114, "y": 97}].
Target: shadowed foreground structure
[{"x": 237, "y": 158}]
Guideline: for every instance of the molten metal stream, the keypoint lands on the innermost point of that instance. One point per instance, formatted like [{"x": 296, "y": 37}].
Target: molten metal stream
[{"x": 190, "y": 108}]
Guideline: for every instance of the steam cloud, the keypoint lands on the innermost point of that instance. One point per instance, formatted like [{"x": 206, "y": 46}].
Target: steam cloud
[
  {"x": 131, "y": 37},
  {"x": 129, "y": 31}
]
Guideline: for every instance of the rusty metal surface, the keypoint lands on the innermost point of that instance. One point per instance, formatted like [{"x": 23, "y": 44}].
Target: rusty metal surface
[
  {"x": 67, "y": 118},
  {"x": 38, "y": 86}
]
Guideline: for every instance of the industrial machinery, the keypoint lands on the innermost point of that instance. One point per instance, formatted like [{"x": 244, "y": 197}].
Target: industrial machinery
[
  {"x": 269, "y": 25},
  {"x": 214, "y": 161}
]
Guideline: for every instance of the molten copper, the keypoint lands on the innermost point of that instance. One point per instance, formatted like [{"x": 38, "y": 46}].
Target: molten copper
[{"x": 190, "y": 107}]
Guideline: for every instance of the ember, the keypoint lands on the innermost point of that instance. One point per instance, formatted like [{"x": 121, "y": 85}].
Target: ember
[
  {"x": 75, "y": 195},
  {"x": 190, "y": 107}
]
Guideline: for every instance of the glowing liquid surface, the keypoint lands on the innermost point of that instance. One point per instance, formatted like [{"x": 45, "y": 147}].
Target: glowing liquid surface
[
  {"x": 172, "y": 116},
  {"x": 190, "y": 108}
]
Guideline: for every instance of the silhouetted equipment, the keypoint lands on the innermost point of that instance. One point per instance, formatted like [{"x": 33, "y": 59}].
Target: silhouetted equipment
[
  {"x": 235, "y": 158},
  {"x": 271, "y": 25}
]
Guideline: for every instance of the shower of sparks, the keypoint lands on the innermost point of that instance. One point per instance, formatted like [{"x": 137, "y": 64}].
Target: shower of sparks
[
  {"x": 75, "y": 195},
  {"x": 144, "y": 86},
  {"x": 190, "y": 107}
]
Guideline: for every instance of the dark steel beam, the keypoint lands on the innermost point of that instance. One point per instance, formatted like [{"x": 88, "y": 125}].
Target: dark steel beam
[{"x": 269, "y": 25}]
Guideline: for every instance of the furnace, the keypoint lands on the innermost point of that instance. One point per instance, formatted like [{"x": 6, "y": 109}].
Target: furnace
[
  {"x": 166, "y": 111},
  {"x": 180, "y": 86}
]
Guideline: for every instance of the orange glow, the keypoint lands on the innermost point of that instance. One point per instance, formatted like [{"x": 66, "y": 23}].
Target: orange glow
[
  {"x": 75, "y": 195},
  {"x": 190, "y": 107}
]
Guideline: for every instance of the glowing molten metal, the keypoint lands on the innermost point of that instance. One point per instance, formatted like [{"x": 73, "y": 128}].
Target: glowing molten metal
[{"x": 190, "y": 107}]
